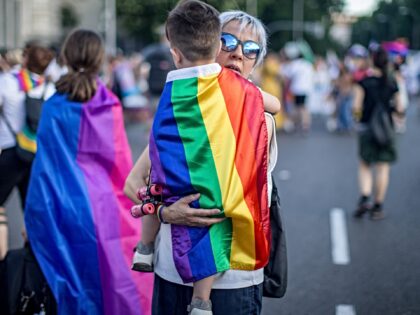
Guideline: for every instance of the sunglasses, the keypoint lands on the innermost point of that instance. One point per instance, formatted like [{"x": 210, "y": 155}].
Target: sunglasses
[{"x": 250, "y": 49}]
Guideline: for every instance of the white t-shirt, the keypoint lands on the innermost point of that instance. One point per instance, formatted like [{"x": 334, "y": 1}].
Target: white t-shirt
[
  {"x": 12, "y": 101},
  {"x": 300, "y": 73},
  {"x": 164, "y": 265},
  {"x": 12, "y": 98}
]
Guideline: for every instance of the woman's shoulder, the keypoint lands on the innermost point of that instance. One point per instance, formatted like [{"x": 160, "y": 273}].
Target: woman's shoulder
[{"x": 370, "y": 81}]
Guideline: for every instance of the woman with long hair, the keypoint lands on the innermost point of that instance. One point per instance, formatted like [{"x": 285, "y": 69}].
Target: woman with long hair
[
  {"x": 377, "y": 89},
  {"x": 76, "y": 214}
]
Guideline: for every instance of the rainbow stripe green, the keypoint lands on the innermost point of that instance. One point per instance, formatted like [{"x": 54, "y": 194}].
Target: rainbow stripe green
[{"x": 209, "y": 136}]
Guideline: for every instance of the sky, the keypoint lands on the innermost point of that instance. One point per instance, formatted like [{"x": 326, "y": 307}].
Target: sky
[{"x": 360, "y": 7}]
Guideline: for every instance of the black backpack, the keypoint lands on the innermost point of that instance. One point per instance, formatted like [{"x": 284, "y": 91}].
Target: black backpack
[
  {"x": 380, "y": 124},
  {"x": 23, "y": 287},
  {"x": 275, "y": 273},
  {"x": 33, "y": 108}
]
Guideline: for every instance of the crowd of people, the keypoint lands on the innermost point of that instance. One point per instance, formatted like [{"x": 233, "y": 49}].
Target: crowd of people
[
  {"x": 323, "y": 86},
  {"x": 208, "y": 239}
]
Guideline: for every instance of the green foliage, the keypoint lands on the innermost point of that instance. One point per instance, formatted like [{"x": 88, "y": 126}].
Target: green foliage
[
  {"x": 69, "y": 17},
  {"x": 139, "y": 19},
  {"x": 391, "y": 20}
]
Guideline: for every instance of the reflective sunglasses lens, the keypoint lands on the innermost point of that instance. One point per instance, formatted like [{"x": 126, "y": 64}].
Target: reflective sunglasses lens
[
  {"x": 251, "y": 49},
  {"x": 229, "y": 42}
]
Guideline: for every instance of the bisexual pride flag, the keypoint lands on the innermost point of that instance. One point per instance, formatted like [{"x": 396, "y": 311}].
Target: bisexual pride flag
[
  {"x": 209, "y": 136},
  {"x": 76, "y": 213}
]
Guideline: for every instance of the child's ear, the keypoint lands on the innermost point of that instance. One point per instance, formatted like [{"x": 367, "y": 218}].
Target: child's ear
[
  {"x": 176, "y": 55},
  {"x": 219, "y": 48}
]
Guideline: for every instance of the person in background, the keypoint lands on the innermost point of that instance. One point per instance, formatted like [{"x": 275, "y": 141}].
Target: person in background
[
  {"x": 271, "y": 82},
  {"x": 75, "y": 215},
  {"x": 343, "y": 95},
  {"x": 159, "y": 57},
  {"x": 376, "y": 89},
  {"x": 397, "y": 52},
  {"x": 357, "y": 61},
  {"x": 299, "y": 72},
  {"x": 15, "y": 84}
]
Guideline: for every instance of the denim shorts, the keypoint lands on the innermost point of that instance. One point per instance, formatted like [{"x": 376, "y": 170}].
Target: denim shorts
[{"x": 172, "y": 299}]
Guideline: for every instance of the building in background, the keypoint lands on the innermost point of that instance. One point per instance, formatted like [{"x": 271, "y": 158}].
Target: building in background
[{"x": 47, "y": 20}]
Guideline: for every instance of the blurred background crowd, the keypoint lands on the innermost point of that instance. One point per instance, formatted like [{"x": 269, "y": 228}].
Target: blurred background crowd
[{"x": 317, "y": 49}]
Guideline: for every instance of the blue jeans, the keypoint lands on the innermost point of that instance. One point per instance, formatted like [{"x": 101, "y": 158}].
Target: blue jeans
[
  {"x": 172, "y": 299},
  {"x": 345, "y": 115}
]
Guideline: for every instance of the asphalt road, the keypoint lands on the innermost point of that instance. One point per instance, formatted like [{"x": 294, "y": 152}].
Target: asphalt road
[
  {"x": 380, "y": 273},
  {"x": 382, "y": 276}
]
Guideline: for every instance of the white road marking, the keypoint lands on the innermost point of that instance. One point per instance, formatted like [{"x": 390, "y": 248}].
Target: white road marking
[
  {"x": 339, "y": 239},
  {"x": 345, "y": 310}
]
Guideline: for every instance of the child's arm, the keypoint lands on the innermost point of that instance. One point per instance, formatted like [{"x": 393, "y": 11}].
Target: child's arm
[
  {"x": 271, "y": 103},
  {"x": 138, "y": 176}
]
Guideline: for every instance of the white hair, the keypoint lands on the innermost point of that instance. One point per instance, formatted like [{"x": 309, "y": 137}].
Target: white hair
[{"x": 246, "y": 20}]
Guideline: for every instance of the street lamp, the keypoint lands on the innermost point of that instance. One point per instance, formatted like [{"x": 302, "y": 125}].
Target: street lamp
[
  {"x": 110, "y": 27},
  {"x": 298, "y": 15}
]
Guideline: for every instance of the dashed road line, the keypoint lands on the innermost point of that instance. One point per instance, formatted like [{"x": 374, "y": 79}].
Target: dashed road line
[
  {"x": 339, "y": 239},
  {"x": 345, "y": 310}
]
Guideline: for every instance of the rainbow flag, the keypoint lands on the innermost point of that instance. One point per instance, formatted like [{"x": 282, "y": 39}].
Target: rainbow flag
[
  {"x": 209, "y": 136},
  {"x": 76, "y": 213},
  {"x": 28, "y": 81}
]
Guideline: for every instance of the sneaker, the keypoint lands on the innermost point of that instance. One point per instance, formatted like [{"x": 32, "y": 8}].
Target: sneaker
[
  {"x": 197, "y": 311},
  {"x": 199, "y": 307},
  {"x": 142, "y": 262},
  {"x": 376, "y": 215},
  {"x": 361, "y": 210}
]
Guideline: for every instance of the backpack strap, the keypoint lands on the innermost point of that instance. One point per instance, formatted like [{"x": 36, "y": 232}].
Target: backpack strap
[{"x": 9, "y": 126}]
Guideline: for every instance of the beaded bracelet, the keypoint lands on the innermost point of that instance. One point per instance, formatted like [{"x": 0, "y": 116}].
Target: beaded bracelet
[{"x": 159, "y": 214}]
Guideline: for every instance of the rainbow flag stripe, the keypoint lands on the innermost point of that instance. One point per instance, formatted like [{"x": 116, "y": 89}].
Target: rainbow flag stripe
[
  {"x": 76, "y": 213},
  {"x": 28, "y": 81},
  {"x": 209, "y": 136}
]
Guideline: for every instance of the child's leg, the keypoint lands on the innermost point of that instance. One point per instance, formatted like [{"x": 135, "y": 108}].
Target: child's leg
[
  {"x": 143, "y": 255},
  {"x": 200, "y": 303},
  {"x": 149, "y": 229},
  {"x": 202, "y": 288}
]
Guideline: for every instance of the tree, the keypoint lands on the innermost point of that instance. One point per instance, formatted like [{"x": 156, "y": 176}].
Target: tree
[
  {"x": 391, "y": 20},
  {"x": 139, "y": 19}
]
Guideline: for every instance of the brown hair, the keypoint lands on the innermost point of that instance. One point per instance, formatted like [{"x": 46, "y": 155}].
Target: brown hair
[
  {"x": 38, "y": 58},
  {"x": 194, "y": 28},
  {"x": 83, "y": 53}
]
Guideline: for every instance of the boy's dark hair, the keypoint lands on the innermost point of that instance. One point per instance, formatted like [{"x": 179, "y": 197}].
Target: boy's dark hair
[
  {"x": 194, "y": 28},
  {"x": 83, "y": 53},
  {"x": 38, "y": 58}
]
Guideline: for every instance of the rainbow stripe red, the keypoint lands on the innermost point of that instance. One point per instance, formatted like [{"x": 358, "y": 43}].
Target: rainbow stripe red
[{"x": 209, "y": 136}]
